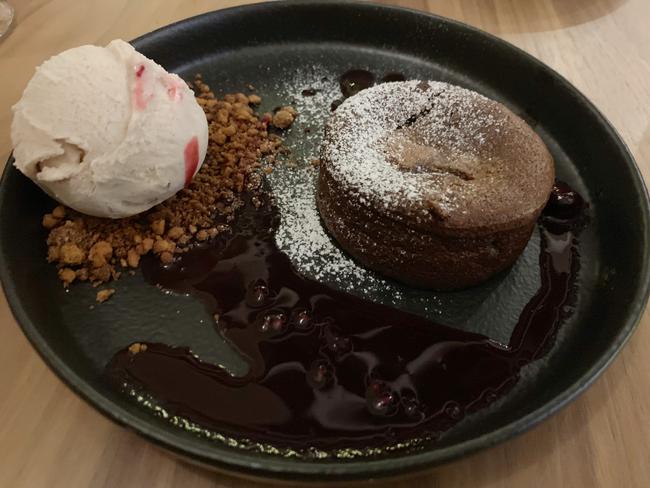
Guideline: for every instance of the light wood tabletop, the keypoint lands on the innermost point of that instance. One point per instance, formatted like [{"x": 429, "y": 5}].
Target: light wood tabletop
[{"x": 51, "y": 438}]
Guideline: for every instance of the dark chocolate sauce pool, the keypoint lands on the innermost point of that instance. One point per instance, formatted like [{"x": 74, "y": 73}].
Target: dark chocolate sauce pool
[
  {"x": 309, "y": 92},
  {"x": 393, "y": 77},
  {"x": 330, "y": 370},
  {"x": 353, "y": 81}
]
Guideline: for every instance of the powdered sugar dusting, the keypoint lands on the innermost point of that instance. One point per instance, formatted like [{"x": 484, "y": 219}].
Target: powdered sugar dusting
[
  {"x": 301, "y": 234},
  {"x": 443, "y": 125}
]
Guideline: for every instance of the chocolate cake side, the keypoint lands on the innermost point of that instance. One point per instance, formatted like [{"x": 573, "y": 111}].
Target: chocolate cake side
[{"x": 412, "y": 256}]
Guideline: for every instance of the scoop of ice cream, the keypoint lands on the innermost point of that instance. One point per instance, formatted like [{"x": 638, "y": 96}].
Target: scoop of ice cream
[{"x": 107, "y": 131}]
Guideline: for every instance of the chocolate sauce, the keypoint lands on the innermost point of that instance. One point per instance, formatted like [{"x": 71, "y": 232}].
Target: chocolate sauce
[
  {"x": 390, "y": 77},
  {"x": 335, "y": 104},
  {"x": 565, "y": 209},
  {"x": 310, "y": 92},
  {"x": 355, "y": 80},
  {"x": 328, "y": 369}
]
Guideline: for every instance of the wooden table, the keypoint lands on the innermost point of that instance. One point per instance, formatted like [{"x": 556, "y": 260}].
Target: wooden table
[{"x": 50, "y": 438}]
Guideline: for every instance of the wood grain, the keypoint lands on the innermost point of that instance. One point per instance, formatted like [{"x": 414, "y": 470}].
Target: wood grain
[{"x": 50, "y": 438}]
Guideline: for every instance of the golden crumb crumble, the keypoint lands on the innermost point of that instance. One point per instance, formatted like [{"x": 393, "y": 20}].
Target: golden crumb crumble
[
  {"x": 105, "y": 294},
  {"x": 137, "y": 347}
]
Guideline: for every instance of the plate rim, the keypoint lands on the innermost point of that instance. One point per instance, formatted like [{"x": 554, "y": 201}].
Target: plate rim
[{"x": 252, "y": 465}]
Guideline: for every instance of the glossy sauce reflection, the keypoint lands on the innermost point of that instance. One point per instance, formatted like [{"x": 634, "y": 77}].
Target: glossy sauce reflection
[{"x": 328, "y": 369}]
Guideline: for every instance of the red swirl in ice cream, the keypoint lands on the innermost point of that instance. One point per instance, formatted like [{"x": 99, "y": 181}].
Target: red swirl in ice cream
[
  {"x": 191, "y": 159},
  {"x": 105, "y": 130},
  {"x": 140, "y": 98}
]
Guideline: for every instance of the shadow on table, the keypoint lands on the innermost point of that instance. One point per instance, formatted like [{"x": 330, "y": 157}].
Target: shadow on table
[{"x": 514, "y": 16}]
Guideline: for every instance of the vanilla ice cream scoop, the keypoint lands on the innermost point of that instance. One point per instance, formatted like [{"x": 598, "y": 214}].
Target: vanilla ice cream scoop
[{"x": 107, "y": 131}]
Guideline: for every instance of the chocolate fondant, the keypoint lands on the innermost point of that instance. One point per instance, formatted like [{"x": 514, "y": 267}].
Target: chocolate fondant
[{"x": 430, "y": 183}]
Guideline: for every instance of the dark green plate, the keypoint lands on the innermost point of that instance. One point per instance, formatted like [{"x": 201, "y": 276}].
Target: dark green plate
[{"x": 281, "y": 48}]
